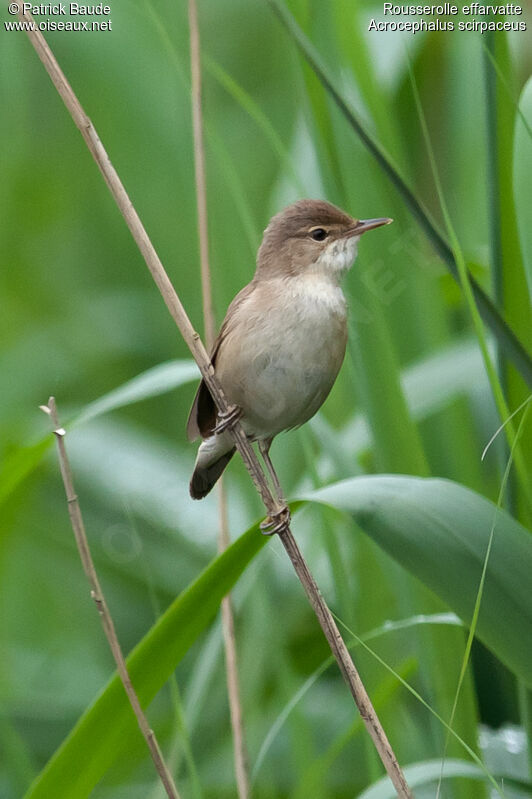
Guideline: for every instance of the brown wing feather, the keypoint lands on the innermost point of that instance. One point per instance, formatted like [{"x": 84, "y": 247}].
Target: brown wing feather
[{"x": 202, "y": 416}]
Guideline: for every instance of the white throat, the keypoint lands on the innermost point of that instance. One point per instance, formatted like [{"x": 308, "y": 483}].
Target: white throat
[
  {"x": 336, "y": 258},
  {"x": 318, "y": 286}
]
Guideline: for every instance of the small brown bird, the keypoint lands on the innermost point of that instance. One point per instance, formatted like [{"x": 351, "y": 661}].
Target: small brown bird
[{"x": 283, "y": 340}]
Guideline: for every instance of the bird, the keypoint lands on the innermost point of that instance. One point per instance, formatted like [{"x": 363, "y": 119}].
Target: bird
[{"x": 283, "y": 339}]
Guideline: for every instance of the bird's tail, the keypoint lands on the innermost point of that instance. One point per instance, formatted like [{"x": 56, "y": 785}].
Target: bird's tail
[{"x": 214, "y": 454}]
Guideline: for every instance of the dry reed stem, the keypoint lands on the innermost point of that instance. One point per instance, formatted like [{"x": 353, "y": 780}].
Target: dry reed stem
[
  {"x": 99, "y": 599},
  {"x": 199, "y": 173},
  {"x": 231, "y": 659},
  {"x": 244, "y": 447},
  {"x": 228, "y": 625}
]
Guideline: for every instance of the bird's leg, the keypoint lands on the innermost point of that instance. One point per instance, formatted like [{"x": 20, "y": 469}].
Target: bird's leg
[
  {"x": 226, "y": 419},
  {"x": 264, "y": 447},
  {"x": 279, "y": 521}
]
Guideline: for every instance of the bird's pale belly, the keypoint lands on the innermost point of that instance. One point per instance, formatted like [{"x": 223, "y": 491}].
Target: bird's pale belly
[{"x": 284, "y": 368}]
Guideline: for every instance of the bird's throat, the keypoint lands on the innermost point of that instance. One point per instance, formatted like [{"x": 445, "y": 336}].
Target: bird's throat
[{"x": 337, "y": 258}]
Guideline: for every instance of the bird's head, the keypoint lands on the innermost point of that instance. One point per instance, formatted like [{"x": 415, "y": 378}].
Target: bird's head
[{"x": 311, "y": 236}]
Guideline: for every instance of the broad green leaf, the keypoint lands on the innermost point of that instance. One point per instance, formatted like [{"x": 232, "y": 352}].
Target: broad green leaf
[
  {"x": 523, "y": 177},
  {"x": 151, "y": 383},
  {"x": 108, "y": 724},
  {"x": 439, "y": 530},
  {"x": 158, "y": 380},
  {"x": 418, "y": 774}
]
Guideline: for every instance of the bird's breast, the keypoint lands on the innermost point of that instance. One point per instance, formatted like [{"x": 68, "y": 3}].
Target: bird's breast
[{"x": 283, "y": 354}]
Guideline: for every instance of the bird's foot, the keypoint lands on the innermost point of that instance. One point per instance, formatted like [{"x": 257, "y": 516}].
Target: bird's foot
[
  {"x": 226, "y": 419},
  {"x": 276, "y": 522}
]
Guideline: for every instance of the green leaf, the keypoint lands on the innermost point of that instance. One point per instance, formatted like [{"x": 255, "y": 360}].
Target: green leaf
[
  {"x": 158, "y": 380},
  {"x": 107, "y": 726},
  {"x": 162, "y": 378},
  {"x": 508, "y": 274},
  {"x": 19, "y": 464},
  {"x": 523, "y": 177},
  {"x": 418, "y": 774},
  {"x": 439, "y": 530}
]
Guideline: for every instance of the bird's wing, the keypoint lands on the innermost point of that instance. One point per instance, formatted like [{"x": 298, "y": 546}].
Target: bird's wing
[{"x": 202, "y": 416}]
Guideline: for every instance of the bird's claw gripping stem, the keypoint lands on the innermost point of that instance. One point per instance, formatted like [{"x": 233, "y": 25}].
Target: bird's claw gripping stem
[
  {"x": 227, "y": 419},
  {"x": 276, "y": 522}
]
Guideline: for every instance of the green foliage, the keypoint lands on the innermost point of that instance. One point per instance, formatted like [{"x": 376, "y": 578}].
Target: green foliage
[
  {"x": 108, "y": 725},
  {"x": 436, "y": 529},
  {"x": 82, "y": 320},
  {"x": 428, "y": 772},
  {"x": 522, "y": 165},
  {"x": 440, "y": 531}
]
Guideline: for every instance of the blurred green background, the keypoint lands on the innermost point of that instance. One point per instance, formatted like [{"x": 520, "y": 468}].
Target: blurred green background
[{"x": 81, "y": 316}]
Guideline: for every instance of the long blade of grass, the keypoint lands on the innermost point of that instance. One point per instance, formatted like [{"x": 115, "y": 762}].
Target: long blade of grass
[
  {"x": 246, "y": 101},
  {"x": 512, "y": 346},
  {"x": 155, "y": 381},
  {"x": 164, "y": 377},
  {"x": 522, "y": 178},
  {"x": 516, "y": 102}
]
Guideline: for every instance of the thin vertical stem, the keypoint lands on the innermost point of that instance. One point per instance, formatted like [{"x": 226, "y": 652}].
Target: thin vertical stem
[
  {"x": 199, "y": 171},
  {"x": 231, "y": 664},
  {"x": 228, "y": 625},
  {"x": 99, "y": 599}
]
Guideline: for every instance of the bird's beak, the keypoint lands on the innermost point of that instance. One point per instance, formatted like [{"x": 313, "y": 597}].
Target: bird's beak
[{"x": 363, "y": 225}]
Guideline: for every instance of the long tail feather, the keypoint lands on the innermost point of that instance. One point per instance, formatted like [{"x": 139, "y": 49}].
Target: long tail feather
[{"x": 204, "y": 478}]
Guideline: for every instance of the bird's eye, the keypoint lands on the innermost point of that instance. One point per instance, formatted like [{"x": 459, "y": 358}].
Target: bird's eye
[{"x": 318, "y": 234}]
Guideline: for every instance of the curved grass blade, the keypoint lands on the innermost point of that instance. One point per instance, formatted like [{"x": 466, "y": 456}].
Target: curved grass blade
[
  {"x": 516, "y": 101},
  {"x": 155, "y": 381},
  {"x": 509, "y": 342},
  {"x": 426, "y": 772},
  {"x": 151, "y": 383},
  {"x": 108, "y": 724},
  {"x": 522, "y": 178}
]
